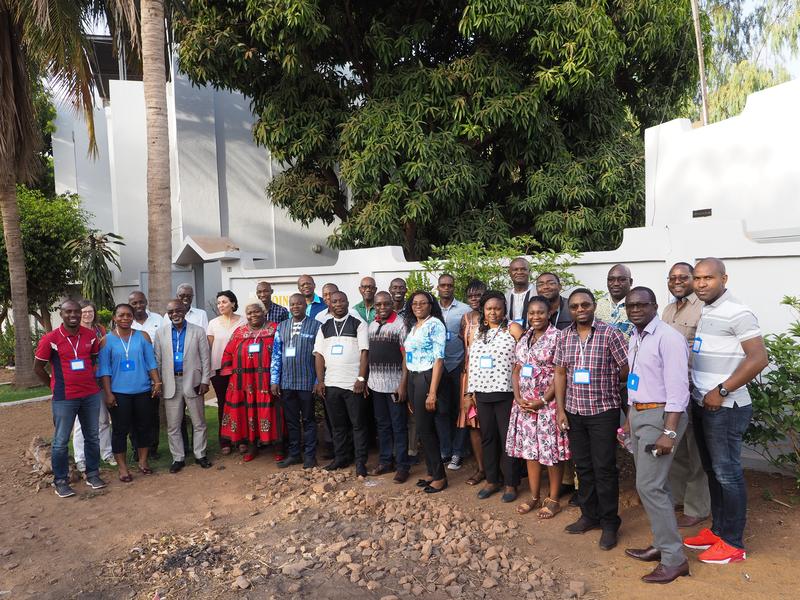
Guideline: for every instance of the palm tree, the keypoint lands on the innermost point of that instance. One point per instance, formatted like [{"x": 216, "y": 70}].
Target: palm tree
[
  {"x": 159, "y": 208},
  {"x": 39, "y": 36}
]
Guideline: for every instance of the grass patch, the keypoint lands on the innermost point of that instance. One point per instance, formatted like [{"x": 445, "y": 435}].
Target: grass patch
[{"x": 9, "y": 393}]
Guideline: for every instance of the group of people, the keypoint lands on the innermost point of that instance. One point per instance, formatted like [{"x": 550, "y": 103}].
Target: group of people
[{"x": 535, "y": 380}]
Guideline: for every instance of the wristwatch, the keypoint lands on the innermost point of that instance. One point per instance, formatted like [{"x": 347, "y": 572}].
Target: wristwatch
[
  {"x": 722, "y": 391},
  {"x": 670, "y": 434},
  {"x": 360, "y": 378}
]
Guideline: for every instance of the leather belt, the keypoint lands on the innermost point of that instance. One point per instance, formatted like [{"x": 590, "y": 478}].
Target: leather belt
[{"x": 640, "y": 406}]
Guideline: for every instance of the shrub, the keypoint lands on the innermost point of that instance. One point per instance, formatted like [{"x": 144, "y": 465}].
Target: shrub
[{"x": 775, "y": 430}]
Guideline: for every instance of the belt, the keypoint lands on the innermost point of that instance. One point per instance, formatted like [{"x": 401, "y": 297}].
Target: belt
[
  {"x": 178, "y": 373},
  {"x": 640, "y": 406}
]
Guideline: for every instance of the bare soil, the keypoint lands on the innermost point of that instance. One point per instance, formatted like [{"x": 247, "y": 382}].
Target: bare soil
[{"x": 133, "y": 540}]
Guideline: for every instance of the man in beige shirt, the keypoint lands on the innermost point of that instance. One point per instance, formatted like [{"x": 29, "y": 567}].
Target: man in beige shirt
[{"x": 687, "y": 477}]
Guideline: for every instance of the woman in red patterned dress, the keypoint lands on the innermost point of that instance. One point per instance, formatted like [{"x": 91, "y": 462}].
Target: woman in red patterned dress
[{"x": 252, "y": 416}]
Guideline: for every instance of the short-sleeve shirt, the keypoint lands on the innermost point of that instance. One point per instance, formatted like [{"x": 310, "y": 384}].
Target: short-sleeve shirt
[
  {"x": 131, "y": 378},
  {"x": 150, "y": 326},
  {"x": 292, "y": 364},
  {"x": 424, "y": 345},
  {"x": 276, "y": 313},
  {"x": 684, "y": 320},
  {"x": 454, "y": 345},
  {"x": 717, "y": 348},
  {"x": 195, "y": 316},
  {"x": 491, "y": 361},
  {"x": 222, "y": 336},
  {"x": 386, "y": 354},
  {"x": 61, "y": 349},
  {"x": 615, "y": 314},
  {"x": 340, "y": 343},
  {"x": 603, "y": 353}
]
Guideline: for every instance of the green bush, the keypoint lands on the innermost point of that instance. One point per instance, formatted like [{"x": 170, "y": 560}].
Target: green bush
[
  {"x": 775, "y": 430},
  {"x": 7, "y": 351}
]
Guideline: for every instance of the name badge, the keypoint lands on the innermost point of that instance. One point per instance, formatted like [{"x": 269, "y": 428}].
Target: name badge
[
  {"x": 337, "y": 349},
  {"x": 633, "y": 382},
  {"x": 696, "y": 345},
  {"x": 581, "y": 377},
  {"x": 127, "y": 365},
  {"x": 486, "y": 362},
  {"x": 77, "y": 365},
  {"x": 178, "y": 357},
  {"x": 526, "y": 371},
  {"x": 254, "y": 348},
  {"x": 291, "y": 352},
  {"x": 409, "y": 357}
]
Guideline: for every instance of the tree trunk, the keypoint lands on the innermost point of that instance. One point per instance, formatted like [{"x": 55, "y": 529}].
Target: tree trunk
[
  {"x": 23, "y": 351},
  {"x": 46, "y": 322},
  {"x": 159, "y": 209}
]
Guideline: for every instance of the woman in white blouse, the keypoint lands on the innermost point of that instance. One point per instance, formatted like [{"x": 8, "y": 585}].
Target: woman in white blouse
[{"x": 219, "y": 333}]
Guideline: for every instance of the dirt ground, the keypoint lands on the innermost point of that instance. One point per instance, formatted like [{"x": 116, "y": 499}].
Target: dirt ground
[{"x": 82, "y": 546}]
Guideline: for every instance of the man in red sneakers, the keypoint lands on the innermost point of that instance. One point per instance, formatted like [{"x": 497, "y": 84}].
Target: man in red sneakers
[{"x": 728, "y": 352}]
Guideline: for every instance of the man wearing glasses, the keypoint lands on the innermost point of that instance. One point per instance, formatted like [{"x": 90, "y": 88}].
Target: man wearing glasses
[
  {"x": 366, "y": 308},
  {"x": 611, "y": 306},
  {"x": 687, "y": 477}
]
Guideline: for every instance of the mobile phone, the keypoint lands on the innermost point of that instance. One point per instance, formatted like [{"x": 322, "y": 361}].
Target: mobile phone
[
  {"x": 651, "y": 448},
  {"x": 472, "y": 412}
]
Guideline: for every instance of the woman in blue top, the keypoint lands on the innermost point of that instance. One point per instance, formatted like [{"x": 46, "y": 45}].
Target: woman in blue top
[
  {"x": 424, "y": 359},
  {"x": 129, "y": 375}
]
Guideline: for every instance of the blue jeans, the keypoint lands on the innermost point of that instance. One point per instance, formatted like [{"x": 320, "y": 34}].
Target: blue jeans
[
  {"x": 719, "y": 441},
  {"x": 87, "y": 409},
  {"x": 451, "y": 439},
  {"x": 298, "y": 413},
  {"x": 392, "y": 421}
]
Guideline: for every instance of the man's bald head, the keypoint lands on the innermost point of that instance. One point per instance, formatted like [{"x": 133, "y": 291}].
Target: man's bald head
[
  {"x": 713, "y": 263},
  {"x": 619, "y": 282}
]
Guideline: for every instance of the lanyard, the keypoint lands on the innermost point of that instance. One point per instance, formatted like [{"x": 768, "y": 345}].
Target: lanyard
[
  {"x": 125, "y": 347},
  {"x": 636, "y": 352},
  {"x": 69, "y": 341},
  {"x": 582, "y": 347},
  {"x": 496, "y": 332},
  {"x": 337, "y": 330},
  {"x": 176, "y": 337}
]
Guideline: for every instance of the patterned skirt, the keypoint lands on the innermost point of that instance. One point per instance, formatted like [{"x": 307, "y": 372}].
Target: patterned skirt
[
  {"x": 536, "y": 436},
  {"x": 252, "y": 416}
]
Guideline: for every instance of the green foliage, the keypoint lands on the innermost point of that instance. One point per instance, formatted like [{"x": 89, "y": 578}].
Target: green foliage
[
  {"x": 419, "y": 280},
  {"x": 47, "y": 226},
  {"x": 7, "y": 351},
  {"x": 104, "y": 316},
  {"x": 775, "y": 429},
  {"x": 425, "y": 123},
  {"x": 95, "y": 251},
  {"x": 490, "y": 263}
]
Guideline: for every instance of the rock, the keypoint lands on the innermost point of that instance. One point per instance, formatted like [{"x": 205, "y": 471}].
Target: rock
[
  {"x": 448, "y": 579},
  {"x": 6, "y": 551},
  {"x": 454, "y": 591},
  {"x": 489, "y": 583},
  {"x": 491, "y": 554},
  {"x": 236, "y": 572},
  {"x": 429, "y": 534},
  {"x": 417, "y": 590},
  {"x": 390, "y": 597},
  {"x": 579, "y": 587},
  {"x": 250, "y": 497},
  {"x": 210, "y": 516},
  {"x": 11, "y": 566},
  {"x": 295, "y": 569},
  {"x": 242, "y": 582},
  {"x": 322, "y": 488},
  {"x": 294, "y": 588},
  {"x": 344, "y": 557},
  {"x": 373, "y": 585}
]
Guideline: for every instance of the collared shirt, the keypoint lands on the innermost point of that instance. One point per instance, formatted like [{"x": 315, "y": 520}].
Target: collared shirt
[
  {"x": 195, "y": 316},
  {"x": 340, "y": 343},
  {"x": 70, "y": 380},
  {"x": 516, "y": 303},
  {"x": 562, "y": 318},
  {"x": 657, "y": 361},
  {"x": 424, "y": 345},
  {"x": 294, "y": 372},
  {"x": 717, "y": 347},
  {"x": 277, "y": 313},
  {"x": 178, "y": 345},
  {"x": 316, "y": 307},
  {"x": 366, "y": 314},
  {"x": 150, "y": 325},
  {"x": 454, "y": 345},
  {"x": 603, "y": 353},
  {"x": 614, "y": 314},
  {"x": 386, "y": 353},
  {"x": 683, "y": 315},
  {"x": 326, "y": 314}
]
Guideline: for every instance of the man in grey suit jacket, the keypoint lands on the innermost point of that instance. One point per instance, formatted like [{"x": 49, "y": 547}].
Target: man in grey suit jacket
[{"x": 184, "y": 361}]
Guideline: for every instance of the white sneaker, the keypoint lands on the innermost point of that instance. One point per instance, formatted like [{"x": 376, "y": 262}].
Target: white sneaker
[
  {"x": 81, "y": 466},
  {"x": 455, "y": 463},
  {"x": 111, "y": 461}
]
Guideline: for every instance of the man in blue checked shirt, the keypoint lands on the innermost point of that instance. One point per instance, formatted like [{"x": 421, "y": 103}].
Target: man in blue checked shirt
[{"x": 292, "y": 378}]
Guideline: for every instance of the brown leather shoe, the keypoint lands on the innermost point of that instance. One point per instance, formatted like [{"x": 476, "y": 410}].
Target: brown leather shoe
[
  {"x": 662, "y": 574},
  {"x": 685, "y": 521},
  {"x": 401, "y": 476},
  {"x": 382, "y": 470},
  {"x": 648, "y": 554}
]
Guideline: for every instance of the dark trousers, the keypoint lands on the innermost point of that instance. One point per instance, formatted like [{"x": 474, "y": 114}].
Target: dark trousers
[
  {"x": 347, "y": 421},
  {"x": 156, "y": 428},
  {"x": 593, "y": 442},
  {"x": 719, "y": 440},
  {"x": 391, "y": 419},
  {"x": 298, "y": 413},
  {"x": 133, "y": 413},
  {"x": 418, "y": 386},
  {"x": 447, "y": 407},
  {"x": 220, "y": 384},
  {"x": 494, "y": 413}
]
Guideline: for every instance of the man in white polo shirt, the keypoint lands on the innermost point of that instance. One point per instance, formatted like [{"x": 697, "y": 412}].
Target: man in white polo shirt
[
  {"x": 728, "y": 352},
  {"x": 341, "y": 360}
]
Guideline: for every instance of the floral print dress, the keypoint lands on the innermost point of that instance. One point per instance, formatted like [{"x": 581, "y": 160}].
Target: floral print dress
[{"x": 535, "y": 435}]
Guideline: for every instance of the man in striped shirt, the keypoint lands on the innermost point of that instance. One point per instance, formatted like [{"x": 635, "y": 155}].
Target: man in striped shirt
[{"x": 728, "y": 352}]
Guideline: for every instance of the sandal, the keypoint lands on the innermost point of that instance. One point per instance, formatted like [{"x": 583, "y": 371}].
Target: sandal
[
  {"x": 242, "y": 448},
  {"x": 226, "y": 450},
  {"x": 550, "y": 508},
  {"x": 145, "y": 470},
  {"x": 476, "y": 478},
  {"x": 527, "y": 506},
  {"x": 126, "y": 478}
]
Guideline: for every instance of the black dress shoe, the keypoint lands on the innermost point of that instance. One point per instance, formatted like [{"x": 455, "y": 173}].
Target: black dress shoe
[
  {"x": 608, "y": 539},
  {"x": 289, "y": 461},
  {"x": 310, "y": 462},
  {"x": 582, "y": 525},
  {"x": 382, "y": 470},
  {"x": 421, "y": 483},
  {"x": 566, "y": 488},
  {"x": 429, "y": 489},
  {"x": 176, "y": 466},
  {"x": 204, "y": 462},
  {"x": 334, "y": 466},
  {"x": 361, "y": 470},
  {"x": 649, "y": 554},
  {"x": 487, "y": 492},
  {"x": 573, "y": 501},
  {"x": 664, "y": 574},
  {"x": 401, "y": 476}
]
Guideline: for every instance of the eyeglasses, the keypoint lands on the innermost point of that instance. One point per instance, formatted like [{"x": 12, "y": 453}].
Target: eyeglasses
[
  {"x": 583, "y": 305},
  {"x": 678, "y": 278},
  {"x": 420, "y": 304},
  {"x": 617, "y": 279},
  {"x": 637, "y": 305}
]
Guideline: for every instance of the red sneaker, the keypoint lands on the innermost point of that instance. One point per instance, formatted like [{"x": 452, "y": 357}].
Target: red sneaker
[
  {"x": 702, "y": 541},
  {"x": 722, "y": 554}
]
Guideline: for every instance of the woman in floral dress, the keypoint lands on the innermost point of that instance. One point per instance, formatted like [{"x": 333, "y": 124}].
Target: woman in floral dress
[
  {"x": 532, "y": 431},
  {"x": 251, "y": 415}
]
